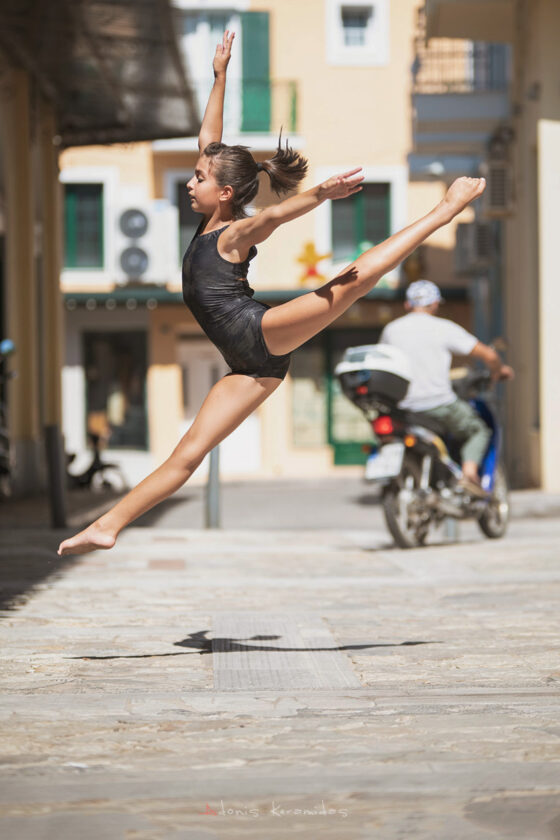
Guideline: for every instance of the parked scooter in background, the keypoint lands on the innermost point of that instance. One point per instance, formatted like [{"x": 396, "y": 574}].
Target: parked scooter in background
[
  {"x": 7, "y": 349},
  {"x": 100, "y": 474},
  {"x": 415, "y": 463}
]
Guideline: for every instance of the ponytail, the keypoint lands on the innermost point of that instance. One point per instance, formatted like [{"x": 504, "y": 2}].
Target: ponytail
[
  {"x": 235, "y": 166},
  {"x": 286, "y": 169}
]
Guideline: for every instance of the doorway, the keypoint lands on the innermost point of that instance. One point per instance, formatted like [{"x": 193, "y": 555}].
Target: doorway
[{"x": 348, "y": 431}]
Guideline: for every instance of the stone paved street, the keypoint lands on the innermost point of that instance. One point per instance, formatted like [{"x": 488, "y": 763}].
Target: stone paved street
[{"x": 275, "y": 684}]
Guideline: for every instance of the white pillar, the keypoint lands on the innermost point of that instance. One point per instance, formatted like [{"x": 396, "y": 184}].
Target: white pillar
[{"x": 549, "y": 300}]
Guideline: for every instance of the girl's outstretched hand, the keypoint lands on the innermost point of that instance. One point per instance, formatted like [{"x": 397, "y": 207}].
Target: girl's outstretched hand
[
  {"x": 223, "y": 53},
  {"x": 341, "y": 186},
  {"x": 461, "y": 192}
]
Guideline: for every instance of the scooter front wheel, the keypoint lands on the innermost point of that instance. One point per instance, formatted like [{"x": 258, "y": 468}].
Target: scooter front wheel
[
  {"x": 406, "y": 518},
  {"x": 494, "y": 520}
]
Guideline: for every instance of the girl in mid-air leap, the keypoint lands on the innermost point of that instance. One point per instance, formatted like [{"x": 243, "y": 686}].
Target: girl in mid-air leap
[{"x": 255, "y": 340}]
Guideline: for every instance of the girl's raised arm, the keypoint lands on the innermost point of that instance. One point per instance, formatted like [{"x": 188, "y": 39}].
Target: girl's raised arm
[
  {"x": 242, "y": 234},
  {"x": 213, "y": 120}
]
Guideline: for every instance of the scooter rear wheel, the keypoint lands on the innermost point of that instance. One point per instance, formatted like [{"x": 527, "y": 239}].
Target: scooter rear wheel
[
  {"x": 494, "y": 520},
  {"x": 405, "y": 519}
]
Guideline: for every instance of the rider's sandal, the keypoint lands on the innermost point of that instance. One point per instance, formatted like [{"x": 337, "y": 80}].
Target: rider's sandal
[{"x": 472, "y": 488}]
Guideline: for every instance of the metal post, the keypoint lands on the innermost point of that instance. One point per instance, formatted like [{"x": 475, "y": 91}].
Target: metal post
[
  {"x": 213, "y": 490},
  {"x": 451, "y": 527},
  {"x": 56, "y": 476}
]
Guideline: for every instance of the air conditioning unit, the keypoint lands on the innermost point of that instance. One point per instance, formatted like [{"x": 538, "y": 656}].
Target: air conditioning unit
[
  {"x": 474, "y": 247},
  {"x": 498, "y": 195},
  {"x": 146, "y": 242}
]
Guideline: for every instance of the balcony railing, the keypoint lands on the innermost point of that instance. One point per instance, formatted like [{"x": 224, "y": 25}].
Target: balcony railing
[
  {"x": 449, "y": 65},
  {"x": 255, "y": 105}
]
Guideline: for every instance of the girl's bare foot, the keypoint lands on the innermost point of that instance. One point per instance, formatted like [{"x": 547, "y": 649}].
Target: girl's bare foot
[
  {"x": 93, "y": 538},
  {"x": 461, "y": 192}
]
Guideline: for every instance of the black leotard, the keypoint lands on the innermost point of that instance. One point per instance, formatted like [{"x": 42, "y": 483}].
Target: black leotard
[{"x": 220, "y": 298}]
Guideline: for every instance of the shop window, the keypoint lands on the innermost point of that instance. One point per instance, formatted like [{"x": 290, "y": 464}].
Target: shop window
[
  {"x": 360, "y": 221},
  {"x": 348, "y": 429},
  {"x": 115, "y": 367},
  {"x": 83, "y": 226},
  {"x": 321, "y": 414},
  {"x": 309, "y": 401}
]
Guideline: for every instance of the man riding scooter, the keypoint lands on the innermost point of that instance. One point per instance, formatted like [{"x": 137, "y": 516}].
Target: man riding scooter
[{"x": 429, "y": 342}]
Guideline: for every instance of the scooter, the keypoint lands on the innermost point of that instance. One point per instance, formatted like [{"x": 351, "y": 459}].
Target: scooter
[
  {"x": 100, "y": 474},
  {"x": 413, "y": 460}
]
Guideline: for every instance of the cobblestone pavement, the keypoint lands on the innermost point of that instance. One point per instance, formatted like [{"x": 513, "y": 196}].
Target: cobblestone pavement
[{"x": 266, "y": 685}]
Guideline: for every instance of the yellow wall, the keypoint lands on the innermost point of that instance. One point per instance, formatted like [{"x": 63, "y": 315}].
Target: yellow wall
[
  {"x": 347, "y": 114},
  {"x": 133, "y": 160}
]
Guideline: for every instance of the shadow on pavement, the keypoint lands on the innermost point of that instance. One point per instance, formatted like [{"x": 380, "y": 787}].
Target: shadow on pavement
[
  {"x": 24, "y": 567},
  {"x": 203, "y": 645}
]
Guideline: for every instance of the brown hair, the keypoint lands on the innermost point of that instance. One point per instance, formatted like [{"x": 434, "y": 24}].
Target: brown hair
[{"x": 236, "y": 167}]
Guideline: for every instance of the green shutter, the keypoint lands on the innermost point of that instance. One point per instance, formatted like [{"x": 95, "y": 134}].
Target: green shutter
[
  {"x": 69, "y": 226},
  {"x": 359, "y": 220},
  {"x": 83, "y": 226},
  {"x": 256, "y": 71}
]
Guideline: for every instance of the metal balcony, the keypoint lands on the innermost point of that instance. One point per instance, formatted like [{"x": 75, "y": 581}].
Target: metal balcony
[
  {"x": 448, "y": 66},
  {"x": 460, "y": 96},
  {"x": 255, "y": 105}
]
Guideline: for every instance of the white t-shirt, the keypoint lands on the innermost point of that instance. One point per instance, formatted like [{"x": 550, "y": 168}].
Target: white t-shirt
[{"x": 429, "y": 343}]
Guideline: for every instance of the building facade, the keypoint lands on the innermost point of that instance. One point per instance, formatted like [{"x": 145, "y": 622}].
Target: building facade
[
  {"x": 520, "y": 152},
  {"x": 336, "y": 77}
]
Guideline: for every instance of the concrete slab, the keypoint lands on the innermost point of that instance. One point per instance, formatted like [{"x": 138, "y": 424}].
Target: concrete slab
[{"x": 301, "y": 653}]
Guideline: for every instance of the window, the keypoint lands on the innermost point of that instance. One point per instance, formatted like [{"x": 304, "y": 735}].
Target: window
[
  {"x": 358, "y": 32},
  {"x": 83, "y": 234},
  {"x": 355, "y": 23},
  {"x": 202, "y": 30},
  {"x": 115, "y": 366},
  {"x": 360, "y": 221},
  {"x": 247, "y": 105}
]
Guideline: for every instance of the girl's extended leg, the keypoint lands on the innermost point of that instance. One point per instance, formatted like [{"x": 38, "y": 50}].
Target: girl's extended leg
[
  {"x": 229, "y": 402},
  {"x": 291, "y": 324}
]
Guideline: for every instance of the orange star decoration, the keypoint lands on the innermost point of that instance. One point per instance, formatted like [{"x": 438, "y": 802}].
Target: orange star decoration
[{"x": 309, "y": 259}]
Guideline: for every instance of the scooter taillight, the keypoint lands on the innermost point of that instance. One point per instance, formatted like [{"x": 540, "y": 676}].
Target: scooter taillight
[{"x": 383, "y": 425}]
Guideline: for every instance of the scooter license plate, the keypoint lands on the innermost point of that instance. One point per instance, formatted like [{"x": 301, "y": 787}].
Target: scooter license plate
[{"x": 386, "y": 462}]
